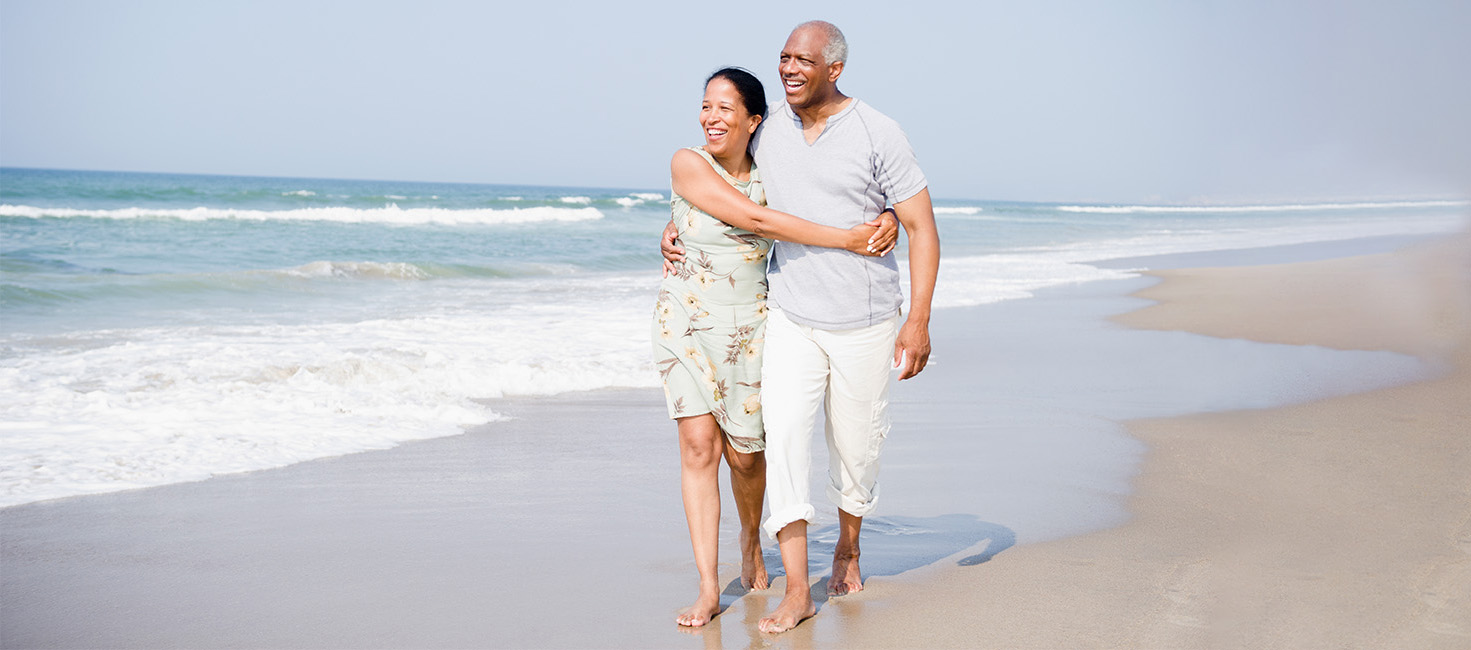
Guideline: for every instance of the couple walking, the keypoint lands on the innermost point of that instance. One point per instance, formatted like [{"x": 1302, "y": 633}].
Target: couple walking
[{"x": 749, "y": 351}]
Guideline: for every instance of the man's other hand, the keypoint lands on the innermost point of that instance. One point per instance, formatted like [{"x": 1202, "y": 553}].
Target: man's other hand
[{"x": 912, "y": 348}]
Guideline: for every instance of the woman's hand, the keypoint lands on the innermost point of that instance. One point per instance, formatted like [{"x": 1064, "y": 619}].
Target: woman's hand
[
  {"x": 887, "y": 236},
  {"x": 875, "y": 238}
]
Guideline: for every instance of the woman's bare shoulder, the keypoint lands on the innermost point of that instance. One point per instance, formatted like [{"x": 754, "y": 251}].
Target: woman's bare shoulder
[{"x": 691, "y": 165}]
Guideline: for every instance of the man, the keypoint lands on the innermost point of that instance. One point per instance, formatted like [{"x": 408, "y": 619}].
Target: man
[{"x": 834, "y": 324}]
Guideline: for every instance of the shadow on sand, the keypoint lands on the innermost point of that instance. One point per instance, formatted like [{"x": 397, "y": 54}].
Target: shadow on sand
[{"x": 894, "y": 545}]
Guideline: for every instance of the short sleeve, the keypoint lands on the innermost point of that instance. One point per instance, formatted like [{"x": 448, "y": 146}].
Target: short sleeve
[{"x": 895, "y": 166}]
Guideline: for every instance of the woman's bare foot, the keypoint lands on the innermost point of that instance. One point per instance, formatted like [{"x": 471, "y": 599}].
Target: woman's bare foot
[
  {"x": 704, "y": 609},
  {"x": 846, "y": 577},
  {"x": 794, "y": 608},
  {"x": 753, "y": 566}
]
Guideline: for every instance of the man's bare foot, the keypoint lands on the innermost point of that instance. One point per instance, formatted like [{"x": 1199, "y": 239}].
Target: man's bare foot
[
  {"x": 700, "y": 613},
  {"x": 794, "y": 608},
  {"x": 753, "y": 566},
  {"x": 846, "y": 577}
]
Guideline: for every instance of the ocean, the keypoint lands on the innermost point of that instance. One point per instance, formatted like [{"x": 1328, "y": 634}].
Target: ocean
[{"x": 160, "y": 328}]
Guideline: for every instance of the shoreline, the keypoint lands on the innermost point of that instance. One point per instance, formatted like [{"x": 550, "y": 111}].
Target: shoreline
[{"x": 277, "y": 452}]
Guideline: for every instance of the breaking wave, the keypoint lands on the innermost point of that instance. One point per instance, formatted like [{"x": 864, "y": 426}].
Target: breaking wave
[{"x": 389, "y": 214}]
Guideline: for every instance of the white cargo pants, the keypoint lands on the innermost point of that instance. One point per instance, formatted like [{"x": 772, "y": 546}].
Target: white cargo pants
[{"x": 849, "y": 371}]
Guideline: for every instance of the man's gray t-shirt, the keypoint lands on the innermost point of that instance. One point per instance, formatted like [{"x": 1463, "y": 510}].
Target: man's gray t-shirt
[{"x": 861, "y": 162}]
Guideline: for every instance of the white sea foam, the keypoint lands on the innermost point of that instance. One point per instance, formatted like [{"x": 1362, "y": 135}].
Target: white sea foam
[
  {"x": 1228, "y": 209},
  {"x": 391, "y": 214},
  {"x": 389, "y": 270},
  {"x": 958, "y": 210},
  {"x": 299, "y": 193},
  {"x": 984, "y": 279},
  {"x": 577, "y": 200},
  {"x": 1019, "y": 273},
  {"x": 637, "y": 198},
  {"x": 119, "y": 409}
]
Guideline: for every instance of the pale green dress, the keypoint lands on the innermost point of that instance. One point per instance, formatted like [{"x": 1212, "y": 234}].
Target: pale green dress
[{"x": 710, "y": 319}]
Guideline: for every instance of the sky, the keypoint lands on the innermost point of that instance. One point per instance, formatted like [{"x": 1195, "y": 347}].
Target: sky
[{"x": 1126, "y": 101}]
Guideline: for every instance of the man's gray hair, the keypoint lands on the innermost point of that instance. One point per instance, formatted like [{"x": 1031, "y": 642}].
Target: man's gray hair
[{"x": 836, "y": 50}]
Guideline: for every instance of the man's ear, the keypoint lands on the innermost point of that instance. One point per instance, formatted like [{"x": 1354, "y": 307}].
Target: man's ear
[{"x": 833, "y": 70}]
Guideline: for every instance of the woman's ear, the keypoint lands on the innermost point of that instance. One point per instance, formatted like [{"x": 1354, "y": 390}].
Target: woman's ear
[{"x": 755, "y": 122}]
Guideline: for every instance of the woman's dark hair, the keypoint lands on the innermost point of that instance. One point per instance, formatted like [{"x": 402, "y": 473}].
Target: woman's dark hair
[{"x": 753, "y": 94}]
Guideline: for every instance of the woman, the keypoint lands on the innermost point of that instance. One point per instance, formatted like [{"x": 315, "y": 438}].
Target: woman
[{"x": 711, "y": 317}]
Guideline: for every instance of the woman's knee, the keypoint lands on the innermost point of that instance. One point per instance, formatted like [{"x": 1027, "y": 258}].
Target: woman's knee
[
  {"x": 698, "y": 456},
  {"x": 699, "y": 443}
]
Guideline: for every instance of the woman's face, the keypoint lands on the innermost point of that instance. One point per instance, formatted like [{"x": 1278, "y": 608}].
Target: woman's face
[{"x": 728, "y": 127}]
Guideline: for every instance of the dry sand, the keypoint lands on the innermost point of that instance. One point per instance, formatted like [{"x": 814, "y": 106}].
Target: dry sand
[{"x": 1340, "y": 523}]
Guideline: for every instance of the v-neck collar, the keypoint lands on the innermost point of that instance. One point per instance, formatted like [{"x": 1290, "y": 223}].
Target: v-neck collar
[{"x": 827, "y": 126}]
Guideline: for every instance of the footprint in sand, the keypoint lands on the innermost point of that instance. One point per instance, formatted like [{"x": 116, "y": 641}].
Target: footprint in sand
[{"x": 1184, "y": 588}]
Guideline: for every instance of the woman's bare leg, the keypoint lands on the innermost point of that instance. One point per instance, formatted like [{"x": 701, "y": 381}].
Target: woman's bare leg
[
  {"x": 748, "y": 482},
  {"x": 699, "y": 483}
]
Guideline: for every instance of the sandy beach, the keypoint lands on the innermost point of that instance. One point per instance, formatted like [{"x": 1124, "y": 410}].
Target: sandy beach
[{"x": 1343, "y": 521}]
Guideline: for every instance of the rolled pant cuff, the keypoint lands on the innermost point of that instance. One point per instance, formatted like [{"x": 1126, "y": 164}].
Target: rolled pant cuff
[
  {"x": 851, "y": 505},
  {"x": 780, "y": 518}
]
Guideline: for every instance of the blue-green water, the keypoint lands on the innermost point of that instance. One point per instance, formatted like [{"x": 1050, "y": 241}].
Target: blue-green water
[{"x": 158, "y": 328}]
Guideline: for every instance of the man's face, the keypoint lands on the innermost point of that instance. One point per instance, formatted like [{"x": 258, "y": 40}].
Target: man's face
[{"x": 805, "y": 76}]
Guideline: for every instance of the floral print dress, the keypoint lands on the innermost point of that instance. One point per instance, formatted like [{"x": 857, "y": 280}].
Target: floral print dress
[{"x": 710, "y": 318}]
